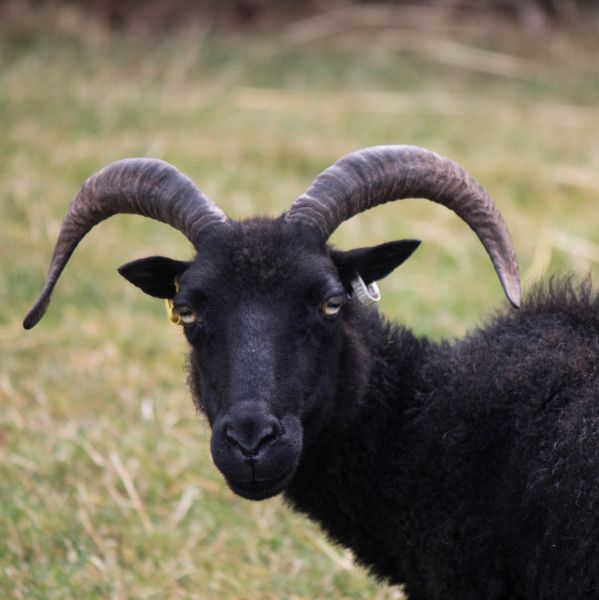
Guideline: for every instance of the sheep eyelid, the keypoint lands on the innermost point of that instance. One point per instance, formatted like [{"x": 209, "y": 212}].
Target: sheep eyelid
[
  {"x": 186, "y": 313},
  {"x": 331, "y": 306}
]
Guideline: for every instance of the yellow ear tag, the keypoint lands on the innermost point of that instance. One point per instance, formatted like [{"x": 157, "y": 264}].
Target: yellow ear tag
[{"x": 171, "y": 313}]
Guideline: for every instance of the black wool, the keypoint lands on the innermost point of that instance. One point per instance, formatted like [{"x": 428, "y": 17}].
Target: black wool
[{"x": 470, "y": 470}]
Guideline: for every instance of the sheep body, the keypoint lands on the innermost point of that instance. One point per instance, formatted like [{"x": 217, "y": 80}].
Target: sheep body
[
  {"x": 470, "y": 470},
  {"x": 463, "y": 470}
]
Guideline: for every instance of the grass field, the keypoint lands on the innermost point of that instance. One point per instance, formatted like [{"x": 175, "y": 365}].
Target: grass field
[{"x": 106, "y": 484}]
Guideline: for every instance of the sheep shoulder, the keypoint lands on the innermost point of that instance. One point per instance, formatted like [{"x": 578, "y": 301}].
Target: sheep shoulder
[
  {"x": 506, "y": 432},
  {"x": 531, "y": 359}
]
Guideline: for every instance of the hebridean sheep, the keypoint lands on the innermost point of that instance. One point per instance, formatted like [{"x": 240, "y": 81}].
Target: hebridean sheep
[{"x": 467, "y": 470}]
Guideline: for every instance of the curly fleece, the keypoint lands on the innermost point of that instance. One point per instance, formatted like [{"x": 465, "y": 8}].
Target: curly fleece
[{"x": 470, "y": 470}]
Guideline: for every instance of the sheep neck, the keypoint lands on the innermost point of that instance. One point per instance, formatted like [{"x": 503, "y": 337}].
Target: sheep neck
[{"x": 342, "y": 475}]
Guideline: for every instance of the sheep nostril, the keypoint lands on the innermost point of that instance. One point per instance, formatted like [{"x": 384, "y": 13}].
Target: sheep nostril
[
  {"x": 229, "y": 438},
  {"x": 251, "y": 445},
  {"x": 266, "y": 439}
]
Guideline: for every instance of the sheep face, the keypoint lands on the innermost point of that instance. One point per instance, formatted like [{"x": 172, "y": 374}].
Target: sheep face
[
  {"x": 265, "y": 303},
  {"x": 266, "y": 311},
  {"x": 260, "y": 350}
]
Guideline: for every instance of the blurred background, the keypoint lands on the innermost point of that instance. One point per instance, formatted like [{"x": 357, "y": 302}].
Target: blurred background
[{"x": 106, "y": 484}]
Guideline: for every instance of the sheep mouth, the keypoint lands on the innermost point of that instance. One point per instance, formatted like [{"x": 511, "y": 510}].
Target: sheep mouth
[{"x": 262, "y": 489}]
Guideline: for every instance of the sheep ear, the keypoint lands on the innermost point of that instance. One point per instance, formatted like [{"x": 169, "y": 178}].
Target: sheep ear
[
  {"x": 155, "y": 275},
  {"x": 373, "y": 263}
]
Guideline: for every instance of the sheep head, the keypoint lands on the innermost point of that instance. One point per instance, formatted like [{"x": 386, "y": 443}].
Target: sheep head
[
  {"x": 267, "y": 313},
  {"x": 267, "y": 305}
]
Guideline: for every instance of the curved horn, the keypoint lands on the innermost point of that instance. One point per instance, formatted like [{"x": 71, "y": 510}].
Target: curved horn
[
  {"x": 373, "y": 176},
  {"x": 143, "y": 186}
]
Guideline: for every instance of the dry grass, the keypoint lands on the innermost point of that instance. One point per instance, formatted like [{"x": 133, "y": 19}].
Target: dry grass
[{"x": 105, "y": 478}]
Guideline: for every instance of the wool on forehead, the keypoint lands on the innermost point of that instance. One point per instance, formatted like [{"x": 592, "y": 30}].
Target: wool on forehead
[{"x": 261, "y": 251}]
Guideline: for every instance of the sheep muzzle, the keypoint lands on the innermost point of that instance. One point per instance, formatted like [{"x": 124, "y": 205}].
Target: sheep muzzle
[{"x": 257, "y": 452}]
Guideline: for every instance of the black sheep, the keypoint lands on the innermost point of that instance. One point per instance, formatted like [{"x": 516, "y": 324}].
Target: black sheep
[{"x": 463, "y": 471}]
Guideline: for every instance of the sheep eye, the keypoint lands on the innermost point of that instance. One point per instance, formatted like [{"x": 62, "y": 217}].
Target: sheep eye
[
  {"x": 331, "y": 306},
  {"x": 187, "y": 315}
]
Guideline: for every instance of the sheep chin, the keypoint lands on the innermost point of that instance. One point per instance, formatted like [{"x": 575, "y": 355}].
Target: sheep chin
[{"x": 262, "y": 490}]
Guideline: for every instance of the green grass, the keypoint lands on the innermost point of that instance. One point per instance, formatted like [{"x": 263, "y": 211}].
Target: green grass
[{"x": 106, "y": 485}]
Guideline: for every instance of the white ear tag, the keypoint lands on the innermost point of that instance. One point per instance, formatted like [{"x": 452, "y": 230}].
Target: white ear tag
[{"x": 366, "y": 294}]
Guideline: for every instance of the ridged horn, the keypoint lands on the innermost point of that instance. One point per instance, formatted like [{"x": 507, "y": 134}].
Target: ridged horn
[
  {"x": 373, "y": 176},
  {"x": 142, "y": 186}
]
